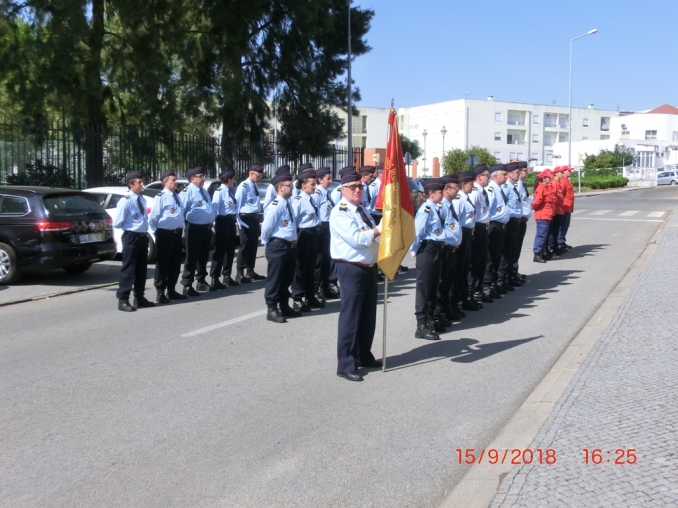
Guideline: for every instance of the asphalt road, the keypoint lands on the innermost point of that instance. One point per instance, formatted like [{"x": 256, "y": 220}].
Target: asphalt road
[{"x": 206, "y": 403}]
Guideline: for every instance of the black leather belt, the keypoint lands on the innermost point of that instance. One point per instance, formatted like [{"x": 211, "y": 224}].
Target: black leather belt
[
  {"x": 199, "y": 225},
  {"x": 471, "y": 230},
  {"x": 453, "y": 249},
  {"x": 311, "y": 228},
  {"x": 175, "y": 231},
  {"x": 497, "y": 223},
  {"x": 524, "y": 219},
  {"x": 361, "y": 265},
  {"x": 438, "y": 244},
  {"x": 247, "y": 215},
  {"x": 135, "y": 233},
  {"x": 290, "y": 244},
  {"x": 515, "y": 219},
  {"x": 487, "y": 224}
]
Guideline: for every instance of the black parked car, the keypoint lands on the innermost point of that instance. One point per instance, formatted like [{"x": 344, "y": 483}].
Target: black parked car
[{"x": 44, "y": 228}]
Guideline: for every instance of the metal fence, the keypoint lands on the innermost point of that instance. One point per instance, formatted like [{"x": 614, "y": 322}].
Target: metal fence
[
  {"x": 64, "y": 147},
  {"x": 640, "y": 177}
]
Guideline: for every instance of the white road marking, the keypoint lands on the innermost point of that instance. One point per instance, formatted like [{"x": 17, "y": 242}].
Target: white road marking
[
  {"x": 225, "y": 323},
  {"x": 628, "y": 213},
  {"x": 601, "y": 212},
  {"x": 579, "y": 211},
  {"x": 620, "y": 220},
  {"x": 656, "y": 214}
]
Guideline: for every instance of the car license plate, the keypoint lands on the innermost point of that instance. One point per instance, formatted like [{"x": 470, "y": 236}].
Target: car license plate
[{"x": 94, "y": 237}]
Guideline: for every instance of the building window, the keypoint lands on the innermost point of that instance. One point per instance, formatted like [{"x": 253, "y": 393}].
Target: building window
[
  {"x": 650, "y": 134},
  {"x": 497, "y": 155},
  {"x": 584, "y": 138},
  {"x": 549, "y": 157},
  {"x": 497, "y": 117},
  {"x": 497, "y": 136},
  {"x": 512, "y": 156},
  {"x": 535, "y": 156},
  {"x": 604, "y": 136},
  {"x": 547, "y": 140},
  {"x": 535, "y": 119},
  {"x": 675, "y": 135},
  {"x": 519, "y": 156},
  {"x": 549, "y": 120},
  {"x": 535, "y": 138},
  {"x": 562, "y": 137},
  {"x": 605, "y": 123},
  {"x": 515, "y": 119},
  {"x": 586, "y": 122},
  {"x": 625, "y": 134}
]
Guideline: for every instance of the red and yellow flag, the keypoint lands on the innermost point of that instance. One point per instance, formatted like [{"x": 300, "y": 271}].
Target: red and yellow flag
[{"x": 395, "y": 202}]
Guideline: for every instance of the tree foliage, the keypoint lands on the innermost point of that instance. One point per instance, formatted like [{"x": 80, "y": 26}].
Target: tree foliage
[
  {"x": 455, "y": 160},
  {"x": 609, "y": 159},
  {"x": 411, "y": 146}
]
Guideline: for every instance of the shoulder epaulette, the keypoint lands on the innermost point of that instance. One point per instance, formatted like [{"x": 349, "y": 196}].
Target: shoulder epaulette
[
  {"x": 427, "y": 209},
  {"x": 490, "y": 188},
  {"x": 317, "y": 191},
  {"x": 440, "y": 205},
  {"x": 244, "y": 184},
  {"x": 274, "y": 202},
  {"x": 374, "y": 184},
  {"x": 126, "y": 196},
  {"x": 505, "y": 186},
  {"x": 298, "y": 197},
  {"x": 343, "y": 206},
  {"x": 456, "y": 197},
  {"x": 159, "y": 194},
  {"x": 185, "y": 189}
]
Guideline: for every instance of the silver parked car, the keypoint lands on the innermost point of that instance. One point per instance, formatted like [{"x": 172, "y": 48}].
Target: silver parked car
[{"x": 667, "y": 178}]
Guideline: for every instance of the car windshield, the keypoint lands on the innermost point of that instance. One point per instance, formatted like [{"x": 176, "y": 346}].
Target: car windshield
[{"x": 71, "y": 204}]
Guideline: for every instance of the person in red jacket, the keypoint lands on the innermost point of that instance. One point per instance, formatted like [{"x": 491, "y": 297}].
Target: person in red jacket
[
  {"x": 554, "y": 228},
  {"x": 543, "y": 206},
  {"x": 568, "y": 208}
]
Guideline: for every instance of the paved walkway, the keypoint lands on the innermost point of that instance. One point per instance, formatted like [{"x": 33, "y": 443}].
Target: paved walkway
[{"x": 621, "y": 404}]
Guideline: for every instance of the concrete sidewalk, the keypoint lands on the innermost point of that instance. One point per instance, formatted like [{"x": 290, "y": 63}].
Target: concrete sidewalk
[{"x": 619, "y": 409}]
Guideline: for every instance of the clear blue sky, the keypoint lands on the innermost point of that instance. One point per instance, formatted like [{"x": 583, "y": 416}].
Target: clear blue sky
[{"x": 429, "y": 51}]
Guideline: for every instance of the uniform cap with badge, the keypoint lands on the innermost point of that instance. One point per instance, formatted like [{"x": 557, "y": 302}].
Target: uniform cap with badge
[
  {"x": 321, "y": 172},
  {"x": 349, "y": 177},
  {"x": 167, "y": 174},
  {"x": 283, "y": 177},
  {"x": 452, "y": 178},
  {"x": 479, "y": 169},
  {"x": 496, "y": 168},
  {"x": 132, "y": 175},
  {"x": 466, "y": 176},
  {"x": 194, "y": 171},
  {"x": 367, "y": 170},
  {"x": 434, "y": 184},
  {"x": 285, "y": 168},
  {"x": 225, "y": 175},
  {"x": 512, "y": 166},
  {"x": 258, "y": 168}
]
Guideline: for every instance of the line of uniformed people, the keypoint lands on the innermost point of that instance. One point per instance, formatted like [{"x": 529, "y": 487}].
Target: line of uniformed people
[
  {"x": 553, "y": 206},
  {"x": 469, "y": 235}
]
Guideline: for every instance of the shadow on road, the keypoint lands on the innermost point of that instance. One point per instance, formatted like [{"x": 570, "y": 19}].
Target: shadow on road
[
  {"x": 463, "y": 350},
  {"x": 579, "y": 251}
]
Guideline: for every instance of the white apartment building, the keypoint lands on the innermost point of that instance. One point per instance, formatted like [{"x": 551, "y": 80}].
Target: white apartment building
[
  {"x": 652, "y": 135},
  {"x": 507, "y": 129}
]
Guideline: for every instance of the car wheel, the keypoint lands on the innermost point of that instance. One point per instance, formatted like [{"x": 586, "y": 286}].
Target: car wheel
[
  {"x": 9, "y": 269},
  {"x": 673, "y": 182},
  {"x": 79, "y": 268},
  {"x": 151, "y": 250}
]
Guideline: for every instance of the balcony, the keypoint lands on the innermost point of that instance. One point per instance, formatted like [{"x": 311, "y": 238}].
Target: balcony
[{"x": 515, "y": 122}]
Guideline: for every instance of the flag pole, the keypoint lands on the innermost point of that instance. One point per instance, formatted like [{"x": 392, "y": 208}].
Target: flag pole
[{"x": 383, "y": 340}]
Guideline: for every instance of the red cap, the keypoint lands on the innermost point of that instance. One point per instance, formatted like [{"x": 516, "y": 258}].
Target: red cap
[
  {"x": 547, "y": 173},
  {"x": 560, "y": 169}
]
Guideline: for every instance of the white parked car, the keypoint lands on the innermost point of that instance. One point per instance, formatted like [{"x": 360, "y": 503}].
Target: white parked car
[
  {"x": 108, "y": 198},
  {"x": 667, "y": 178}
]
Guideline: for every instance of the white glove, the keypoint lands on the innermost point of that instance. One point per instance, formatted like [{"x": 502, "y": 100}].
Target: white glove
[{"x": 412, "y": 253}]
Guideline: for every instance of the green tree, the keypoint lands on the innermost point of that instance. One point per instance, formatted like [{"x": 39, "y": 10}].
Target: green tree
[
  {"x": 607, "y": 159},
  {"x": 411, "y": 146},
  {"x": 455, "y": 160}
]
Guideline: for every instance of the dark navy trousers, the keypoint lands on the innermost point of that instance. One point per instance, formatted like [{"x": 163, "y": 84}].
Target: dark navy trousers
[
  {"x": 357, "y": 317},
  {"x": 540, "y": 237},
  {"x": 564, "y": 226}
]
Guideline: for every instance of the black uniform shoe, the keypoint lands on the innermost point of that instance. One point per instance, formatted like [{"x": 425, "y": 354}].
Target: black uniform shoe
[
  {"x": 424, "y": 333},
  {"x": 174, "y": 295},
  {"x": 300, "y": 306},
  {"x": 461, "y": 312},
  {"x": 454, "y": 314},
  {"x": 275, "y": 315},
  {"x": 350, "y": 376},
  {"x": 202, "y": 286},
  {"x": 521, "y": 277},
  {"x": 402, "y": 269},
  {"x": 216, "y": 284},
  {"x": 435, "y": 326},
  {"x": 142, "y": 303},
  {"x": 538, "y": 259},
  {"x": 124, "y": 306},
  {"x": 470, "y": 304},
  {"x": 516, "y": 283},
  {"x": 230, "y": 282},
  {"x": 254, "y": 275},
  {"x": 241, "y": 278},
  {"x": 506, "y": 286},
  {"x": 374, "y": 364},
  {"x": 568, "y": 247},
  {"x": 331, "y": 293},
  {"x": 492, "y": 292},
  {"x": 314, "y": 303},
  {"x": 189, "y": 291},
  {"x": 320, "y": 298},
  {"x": 161, "y": 298},
  {"x": 443, "y": 320},
  {"x": 288, "y": 311}
]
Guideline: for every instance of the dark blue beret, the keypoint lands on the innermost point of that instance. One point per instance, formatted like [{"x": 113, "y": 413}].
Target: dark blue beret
[
  {"x": 194, "y": 171},
  {"x": 132, "y": 175}
]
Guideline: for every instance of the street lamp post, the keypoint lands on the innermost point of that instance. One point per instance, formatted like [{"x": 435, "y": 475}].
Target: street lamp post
[
  {"x": 569, "y": 134},
  {"x": 443, "y": 131},
  {"x": 424, "y": 134},
  {"x": 623, "y": 149}
]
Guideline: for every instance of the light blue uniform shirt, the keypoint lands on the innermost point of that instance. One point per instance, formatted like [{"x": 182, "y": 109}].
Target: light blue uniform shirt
[
  {"x": 324, "y": 202},
  {"x": 271, "y": 194},
  {"x": 429, "y": 224},
  {"x": 167, "y": 211},
  {"x": 197, "y": 205},
  {"x": 247, "y": 197},
  {"x": 336, "y": 195},
  {"x": 525, "y": 199},
  {"x": 351, "y": 238},
  {"x": 514, "y": 204},
  {"x": 498, "y": 207},
  {"x": 469, "y": 220},
  {"x": 223, "y": 201},
  {"x": 131, "y": 214},
  {"x": 452, "y": 227},
  {"x": 365, "y": 198},
  {"x": 278, "y": 222},
  {"x": 483, "y": 208},
  {"x": 305, "y": 211},
  {"x": 374, "y": 193}
]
